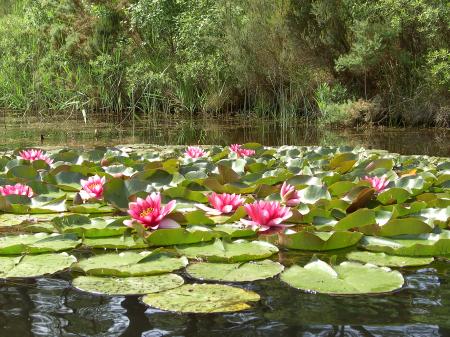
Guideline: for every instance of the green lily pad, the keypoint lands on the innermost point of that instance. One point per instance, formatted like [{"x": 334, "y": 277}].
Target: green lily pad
[
  {"x": 131, "y": 264},
  {"x": 202, "y": 298},
  {"x": 84, "y": 226},
  {"x": 348, "y": 278},
  {"x": 34, "y": 265},
  {"x": 37, "y": 243},
  {"x": 318, "y": 241},
  {"x": 222, "y": 251},
  {"x": 236, "y": 230},
  {"x": 383, "y": 260},
  {"x": 21, "y": 204},
  {"x": 128, "y": 285},
  {"x": 235, "y": 272},
  {"x": 177, "y": 236},
  {"x": 91, "y": 208},
  {"x": 410, "y": 245},
  {"x": 115, "y": 242}
]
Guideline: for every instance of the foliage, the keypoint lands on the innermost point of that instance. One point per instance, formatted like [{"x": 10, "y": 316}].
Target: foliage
[
  {"x": 341, "y": 61},
  {"x": 404, "y": 222}
]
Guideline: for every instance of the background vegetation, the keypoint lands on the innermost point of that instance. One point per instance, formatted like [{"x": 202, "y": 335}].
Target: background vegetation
[{"x": 338, "y": 61}]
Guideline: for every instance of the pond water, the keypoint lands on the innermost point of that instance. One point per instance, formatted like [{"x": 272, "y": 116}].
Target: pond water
[
  {"x": 51, "y": 307},
  {"x": 18, "y": 131}
]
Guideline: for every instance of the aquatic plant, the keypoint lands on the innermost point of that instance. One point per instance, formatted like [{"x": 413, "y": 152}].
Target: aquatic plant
[
  {"x": 241, "y": 152},
  {"x": 378, "y": 184},
  {"x": 92, "y": 188},
  {"x": 194, "y": 152},
  {"x": 17, "y": 189},
  {"x": 34, "y": 154},
  {"x": 289, "y": 195},
  {"x": 150, "y": 213},
  {"x": 266, "y": 216},
  {"x": 232, "y": 213},
  {"x": 224, "y": 203}
]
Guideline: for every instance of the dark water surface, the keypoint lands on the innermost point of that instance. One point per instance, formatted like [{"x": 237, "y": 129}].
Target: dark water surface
[
  {"x": 72, "y": 131},
  {"x": 51, "y": 307}
]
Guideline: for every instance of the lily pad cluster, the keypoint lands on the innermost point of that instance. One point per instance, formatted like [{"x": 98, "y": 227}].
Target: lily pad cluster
[{"x": 166, "y": 222}]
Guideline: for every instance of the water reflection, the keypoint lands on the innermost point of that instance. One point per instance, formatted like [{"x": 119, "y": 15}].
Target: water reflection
[
  {"x": 202, "y": 130},
  {"x": 51, "y": 307}
]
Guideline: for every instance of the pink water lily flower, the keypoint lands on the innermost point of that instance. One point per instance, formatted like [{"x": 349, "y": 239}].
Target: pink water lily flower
[
  {"x": 379, "y": 184},
  {"x": 33, "y": 154},
  {"x": 150, "y": 213},
  {"x": 92, "y": 188},
  {"x": 222, "y": 203},
  {"x": 194, "y": 152},
  {"x": 289, "y": 195},
  {"x": 237, "y": 148},
  {"x": 266, "y": 216},
  {"x": 17, "y": 189}
]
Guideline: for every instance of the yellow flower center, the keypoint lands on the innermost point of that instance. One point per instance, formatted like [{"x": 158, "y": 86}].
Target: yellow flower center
[{"x": 146, "y": 212}]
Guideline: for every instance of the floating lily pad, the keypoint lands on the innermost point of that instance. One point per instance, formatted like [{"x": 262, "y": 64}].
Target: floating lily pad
[
  {"x": 384, "y": 260},
  {"x": 177, "y": 236},
  {"x": 202, "y": 298},
  {"x": 131, "y": 264},
  {"x": 221, "y": 251},
  {"x": 345, "y": 279},
  {"x": 410, "y": 245},
  {"x": 115, "y": 242},
  {"x": 234, "y": 230},
  {"x": 235, "y": 272},
  {"x": 37, "y": 243},
  {"x": 21, "y": 204},
  {"x": 84, "y": 226},
  {"x": 128, "y": 285},
  {"x": 34, "y": 265},
  {"x": 91, "y": 208},
  {"x": 318, "y": 241}
]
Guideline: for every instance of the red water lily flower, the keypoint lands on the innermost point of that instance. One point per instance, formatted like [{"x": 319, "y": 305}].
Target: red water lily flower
[
  {"x": 237, "y": 148},
  {"x": 33, "y": 154},
  {"x": 17, "y": 189},
  {"x": 150, "y": 213},
  {"x": 266, "y": 216},
  {"x": 222, "y": 203}
]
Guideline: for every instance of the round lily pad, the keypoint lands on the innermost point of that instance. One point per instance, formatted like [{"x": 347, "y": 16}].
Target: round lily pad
[
  {"x": 429, "y": 244},
  {"x": 115, "y": 242},
  {"x": 345, "y": 279},
  {"x": 37, "y": 243},
  {"x": 318, "y": 241},
  {"x": 178, "y": 236},
  {"x": 384, "y": 260},
  {"x": 222, "y": 251},
  {"x": 235, "y": 272},
  {"x": 128, "y": 285},
  {"x": 34, "y": 265},
  {"x": 131, "y": 264},
  {"x": 202, "y": 298}
]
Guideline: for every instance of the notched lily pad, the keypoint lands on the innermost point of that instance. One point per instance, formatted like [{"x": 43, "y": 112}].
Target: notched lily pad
[
  {"x": 84, "y": 226},
  {"x": 348, "y": 278},
  {"x": 235, "y": 272},
  {"x": 222, "y": 251},
  {"x": 384, "y": 260},
  {"x": 318, "y": 241},
  {"x": 127, "y": 285},
  {"x": 202, "y": 298},
  {"x": 37, "y": 243},
  {"x": 115, "y": 242},
  {"x": 410, "y": 245},
  {"x": 177, "y": 236},
  {"x": 131, "y": 264},
  {"x": 34, "y": 265}
]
